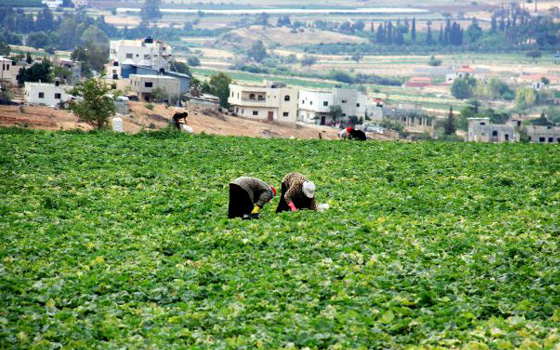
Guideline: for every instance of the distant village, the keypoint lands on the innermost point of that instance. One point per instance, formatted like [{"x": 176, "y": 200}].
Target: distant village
[{"x": 144, "y": 68}]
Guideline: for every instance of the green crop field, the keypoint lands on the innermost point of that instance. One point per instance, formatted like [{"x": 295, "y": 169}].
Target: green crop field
[{"x": 121, "y": 242}]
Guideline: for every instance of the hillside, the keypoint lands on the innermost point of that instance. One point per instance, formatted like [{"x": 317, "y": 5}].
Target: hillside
[
  {"x": 245, "y": 37},
  {"x": 47, "y": 118},
  {"x": 121, "y": 241}
]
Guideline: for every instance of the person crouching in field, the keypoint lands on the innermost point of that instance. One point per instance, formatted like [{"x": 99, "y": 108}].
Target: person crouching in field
[
  {"x": 352, "y": 134},
  {"x": 297, "y": 193},
  {"x": 247, "y": 196}
]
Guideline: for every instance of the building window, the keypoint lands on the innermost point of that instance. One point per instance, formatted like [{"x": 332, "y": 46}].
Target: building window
[
  {"x": 507, "y": 137},
  {"x": 542, "y": 139},
  {"x": 252, "y": 97},
  {"x": 344, "y": 101},
  {"x": 148, "y": 84},
  {"x": 128, "y": 55},
  {"x": 551, "y": 139},
  {"x": 357, "y": 105},
  {"x": 326, "y": 103},
  {"x": 343, "y": 115},
  {"x": 57, "y": 96},
  {"x": 41, "y": 95},
  {"x": 495, "y": 133},
  {"x": 287, "y": 98},
  {"x": 255, "y": 112},
  {"x": 261, "y": 97},
  {"x": 311, "y": 103},
  {"x": 146, "y": 57},
  {"x": 302, "y": 102},
  {"x": 482, "y": 123},
  {"x": 286, "y": 114}
]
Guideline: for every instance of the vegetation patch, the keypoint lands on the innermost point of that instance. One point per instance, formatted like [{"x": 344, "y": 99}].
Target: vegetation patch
[{"x": 118, "y": 241}]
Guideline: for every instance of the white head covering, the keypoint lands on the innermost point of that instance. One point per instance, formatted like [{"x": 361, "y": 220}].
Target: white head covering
[{"x": 309, "y": 189}]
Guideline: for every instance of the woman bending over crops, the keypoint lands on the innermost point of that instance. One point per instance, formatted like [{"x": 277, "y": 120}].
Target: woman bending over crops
[
  {"x": 247, "y": 196},
  {"x": 297, "y": 193}
]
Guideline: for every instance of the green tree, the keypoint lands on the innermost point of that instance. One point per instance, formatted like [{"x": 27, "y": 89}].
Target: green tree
[
  {"x": 357, "y": 56},
  {"x": 462, "y": 88},
  {"x": 37, "y": 72},
  {"x": 219, "y": 86},
  {"x": 4, "y": 49},
  {"x": 534, "y": 54},
  {"x": 150, "y": 11},
  {"x": 38, "y": 40},
  {"x": 336, "y": 112},
  {"x": 526, "y": 97},
  {"x": 449, "y": 127},
  {"x": 257, "y": 52},
  {"x": 474, "y": 32},
  {"x": 181, "y": 67},
  {"x": 193, "y": 61},
  {"x": 95, "y": 103},
  {"x": 97, "y": 47},
  {"x": 308, "y": 61}
]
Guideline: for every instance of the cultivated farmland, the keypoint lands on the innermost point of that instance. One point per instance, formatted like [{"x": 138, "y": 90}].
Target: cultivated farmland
[{"x": 121, "y": 241}]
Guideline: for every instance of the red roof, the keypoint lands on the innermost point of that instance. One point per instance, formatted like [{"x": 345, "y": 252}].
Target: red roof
[{"x": 465, "y": 69}]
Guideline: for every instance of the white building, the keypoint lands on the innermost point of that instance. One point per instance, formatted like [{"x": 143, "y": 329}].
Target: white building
[
  {"x": 52, "y": 4},
  {"x": 46, "y": 93},
  {"x": 315, "y": 107},
  {"x": 481, "y": 130},
  {"x": 272, "y": 102},
  {"x": 147, "y": 53},
  {"x": 145, "y": 85},
  {"x": 80, "y": 3},
  {"x": 9, "y": 70}
]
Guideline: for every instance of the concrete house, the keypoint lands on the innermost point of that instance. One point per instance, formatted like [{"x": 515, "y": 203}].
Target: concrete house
[
  {"x": 273, "y": 102},
  {"x": 314, "y": 107},
  {"x": 46, "y": 93},
  {"x": 9, "y": 70},
  {"x": 145, "y": 85},
  {"x": 149, "y": 53},
  {"x": 543, "y": 134},
  {"x": 480, "y": 130}
]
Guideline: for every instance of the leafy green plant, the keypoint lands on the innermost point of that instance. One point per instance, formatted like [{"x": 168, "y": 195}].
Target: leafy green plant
[{"x": 121, "y": 241}]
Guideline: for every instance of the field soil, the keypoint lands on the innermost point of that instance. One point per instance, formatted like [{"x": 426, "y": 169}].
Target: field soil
[{"x": 46, "y": 118}]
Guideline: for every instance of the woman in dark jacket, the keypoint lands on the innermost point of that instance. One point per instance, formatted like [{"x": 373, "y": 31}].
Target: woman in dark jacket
[{"x": 247, "y": 196}]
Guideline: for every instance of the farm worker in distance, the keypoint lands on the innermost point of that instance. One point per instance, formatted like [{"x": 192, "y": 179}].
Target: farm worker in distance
[
  {"x": 247, "y": 196},
  {"x": 352, "y": 134},
  {"x": 297, "y": 193}
]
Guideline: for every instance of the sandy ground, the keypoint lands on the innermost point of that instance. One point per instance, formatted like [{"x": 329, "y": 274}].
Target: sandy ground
[{"x": 47, "y": 118}]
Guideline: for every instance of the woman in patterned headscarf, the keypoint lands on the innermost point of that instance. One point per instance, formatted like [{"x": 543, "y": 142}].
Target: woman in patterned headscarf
[{"x": 297, "y": 193}]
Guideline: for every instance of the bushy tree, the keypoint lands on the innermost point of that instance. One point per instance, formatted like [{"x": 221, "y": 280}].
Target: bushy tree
[
  {"x": 38, "y": 40},
  {"x": 150, "y": 11},
  {"x": 4, "y": 49},
  {"x": 257, "y": 52},
  {"x": 37, "y": 72},
  {"x": 97, "y": 47},
  {"x": 462, "y": 88},
  {"x": 526, "y": 97},
  {"x": 219, "y": 86},
  {"x": 181, "y": 67},
  {"x": 193, "y": 61},
  {"x": 94, "y": 103},
  {"x": 308, "y": 61}
]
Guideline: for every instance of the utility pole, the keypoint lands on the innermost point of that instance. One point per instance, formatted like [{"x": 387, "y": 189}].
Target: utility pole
[{"x": 536, "y": 6}]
